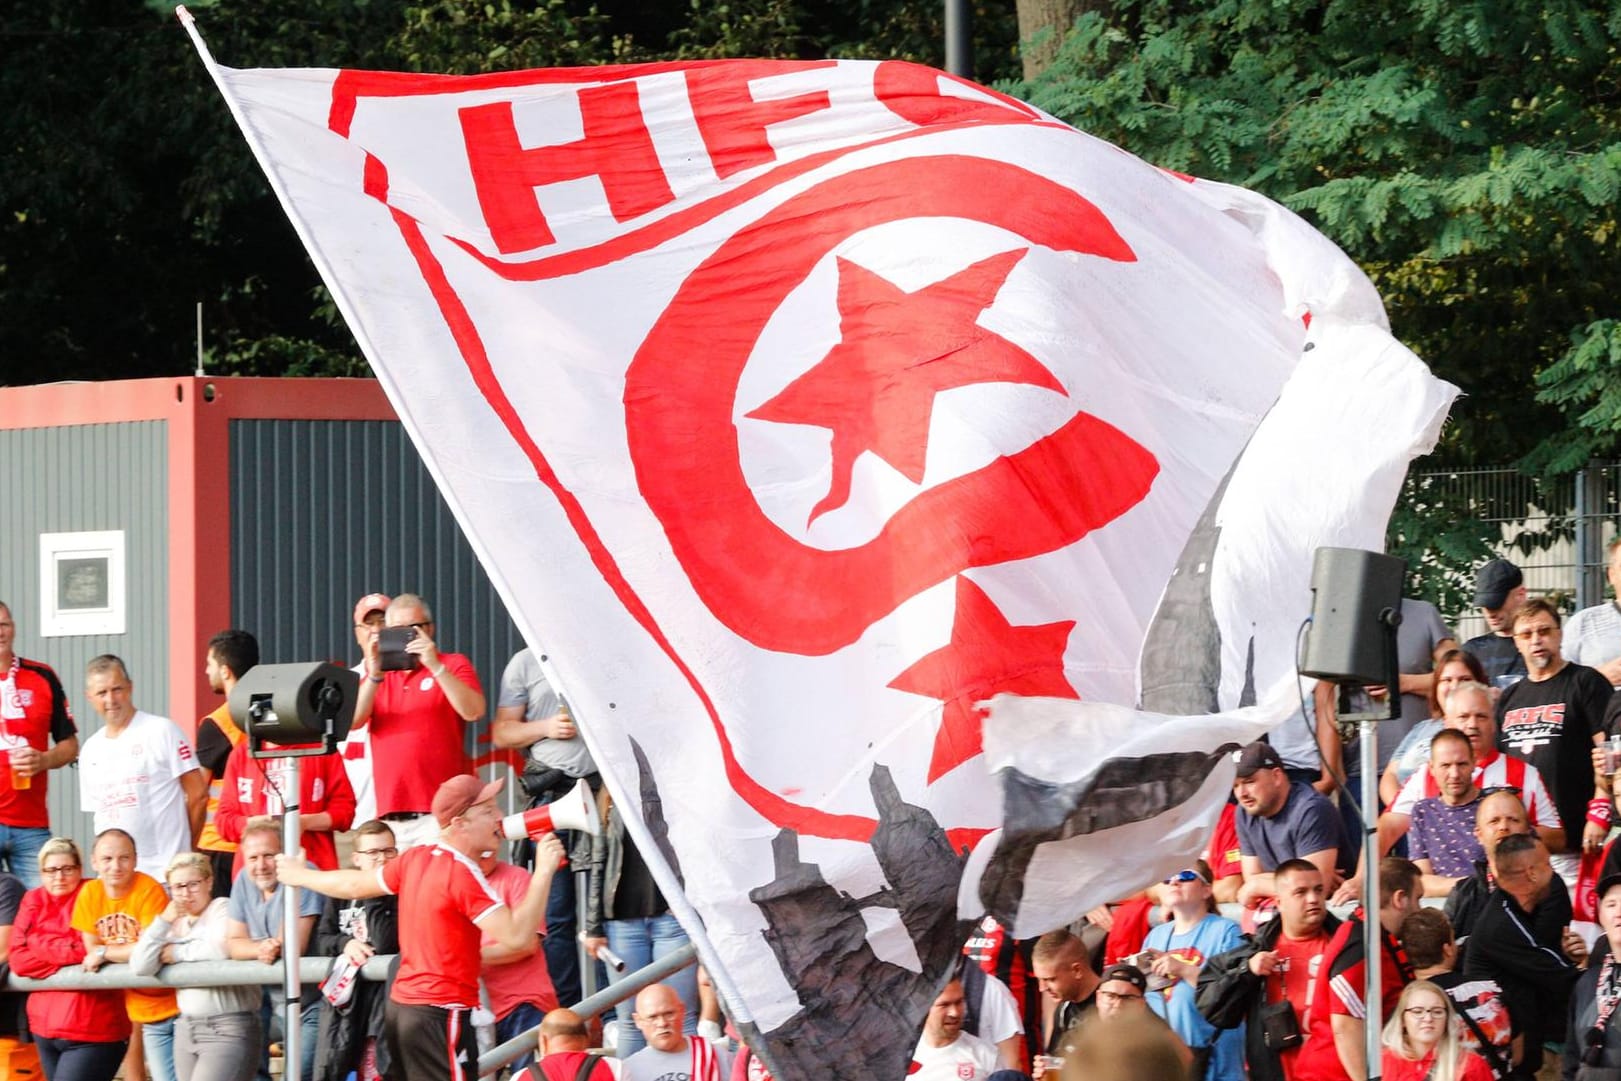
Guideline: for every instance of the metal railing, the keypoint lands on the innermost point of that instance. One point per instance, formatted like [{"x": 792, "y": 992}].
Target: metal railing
[{"x": 312, "y": 970}]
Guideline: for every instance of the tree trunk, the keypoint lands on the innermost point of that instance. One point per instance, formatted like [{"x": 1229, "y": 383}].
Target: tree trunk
[{"x": 1043, "y": 25}]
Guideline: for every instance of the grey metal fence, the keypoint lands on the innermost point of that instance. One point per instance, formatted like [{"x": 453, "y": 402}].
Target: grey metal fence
[{"x": 1554, "y": 528}]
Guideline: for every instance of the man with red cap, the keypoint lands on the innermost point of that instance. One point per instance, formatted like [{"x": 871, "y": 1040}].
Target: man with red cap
[
  {"x": 370, "y": 612},
  {"x": 427, "y": 1023}
]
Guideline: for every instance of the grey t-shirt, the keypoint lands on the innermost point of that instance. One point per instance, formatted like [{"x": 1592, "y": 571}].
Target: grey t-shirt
[
  {"x": 651, "y": 1064},
  {"x": 524, "y": 684}
]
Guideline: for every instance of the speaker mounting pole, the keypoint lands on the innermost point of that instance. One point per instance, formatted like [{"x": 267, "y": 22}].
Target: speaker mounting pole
[{"x": 1355, "y": 612}]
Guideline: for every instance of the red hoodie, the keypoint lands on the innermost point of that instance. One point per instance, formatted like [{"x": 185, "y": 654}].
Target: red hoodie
[{"x": 43, "y": 941}]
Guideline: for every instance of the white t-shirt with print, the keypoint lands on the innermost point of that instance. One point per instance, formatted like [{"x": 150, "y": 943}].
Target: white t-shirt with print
[{"x": 133, "y": 783}]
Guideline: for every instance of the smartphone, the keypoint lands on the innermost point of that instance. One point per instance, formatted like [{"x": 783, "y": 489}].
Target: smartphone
[{"x": 392, "y": 642}]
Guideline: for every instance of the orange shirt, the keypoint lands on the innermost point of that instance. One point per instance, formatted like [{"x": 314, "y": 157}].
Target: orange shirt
[{"x": 119, "y": 923}]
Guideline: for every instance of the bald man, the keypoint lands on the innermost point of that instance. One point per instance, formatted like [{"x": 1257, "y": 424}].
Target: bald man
[
  {"x": 669, "y": 1053},
  {"x": 565, "y": 1045}
]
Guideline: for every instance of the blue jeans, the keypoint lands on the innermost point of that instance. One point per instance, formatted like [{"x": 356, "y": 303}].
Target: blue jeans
[
  {"x": 524, "y": 1016},
  {"x": 19, "y": 848},
  {"x": 640, "y": 942},
  {"x": 560, "y": 945},
  {"x": 271, "y": 1015},
  {"x": 157, "y": 1046}
]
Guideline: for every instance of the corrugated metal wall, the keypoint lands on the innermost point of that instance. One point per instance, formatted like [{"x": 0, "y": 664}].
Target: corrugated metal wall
[
  {"x": 324, "y": 512},
  {"x": 77, "y": 479}
]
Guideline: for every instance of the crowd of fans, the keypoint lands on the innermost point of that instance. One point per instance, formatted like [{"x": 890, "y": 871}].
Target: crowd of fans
[{"x": 1499, "y": 901}]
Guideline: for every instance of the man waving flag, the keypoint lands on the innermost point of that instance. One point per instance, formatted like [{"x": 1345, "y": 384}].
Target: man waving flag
[{"x": 797, "y": 409}]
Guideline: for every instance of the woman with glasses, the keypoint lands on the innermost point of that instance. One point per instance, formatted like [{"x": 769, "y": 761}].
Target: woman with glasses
[
  {"x": 217, "y": 1035},
  {"x": 1421, "y": 1040},
  {"x": 1174, "y": 954},
  {"x": 81, "y": 1035},
  {"x": 1413, "y": 752}
]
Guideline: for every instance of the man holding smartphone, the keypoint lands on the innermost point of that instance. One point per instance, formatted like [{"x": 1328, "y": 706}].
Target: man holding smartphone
[{"x": 414, "y": 700}]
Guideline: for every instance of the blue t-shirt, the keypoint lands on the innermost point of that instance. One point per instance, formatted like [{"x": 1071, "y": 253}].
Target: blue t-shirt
[
  {"x": 1306, "y": 823},
  {"x": 1212, "y": 935}
]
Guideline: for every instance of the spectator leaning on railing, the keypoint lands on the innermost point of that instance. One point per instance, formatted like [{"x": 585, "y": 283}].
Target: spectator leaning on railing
[
  {"x": 81, "y": 1035},
  {"x": 217, "y": 1036}
]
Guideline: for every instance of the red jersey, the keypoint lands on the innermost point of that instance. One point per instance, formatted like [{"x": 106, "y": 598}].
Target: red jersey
[
  {"x": 1392, "y": 1067},
  {"x": 1339, "y": 989},
  {"x": 524, "y": 980},
  {"x": 1223, "y": 855},
  {"x": 247, "y": 792},
  {"x": 416, "y": 736},
  {"x": 33, "y": 709},
  {"x": 442, "y": 898},
  {"x": 1305, "y": 958}
]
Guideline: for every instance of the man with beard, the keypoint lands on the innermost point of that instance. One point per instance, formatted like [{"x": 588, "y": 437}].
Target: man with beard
[
  {"x": 1280, "y": 820},
  {"x": 230, "y": 654},
  {"x": 428, "y": 1029},
  {"x": 1552, "y": 718},
  {"x": 1266, "y": 982}
]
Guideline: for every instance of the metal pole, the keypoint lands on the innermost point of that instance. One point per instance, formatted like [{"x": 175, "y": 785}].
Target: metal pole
[
  {"x": 190, "y": 974},
  {"x": 1371, "y": 943},
  {"x": 1372, "y": 929},
  {"x": 959, "y": 39},
  {"x": 292, "y": 800},
  {"x": 524, "y": 1043}
]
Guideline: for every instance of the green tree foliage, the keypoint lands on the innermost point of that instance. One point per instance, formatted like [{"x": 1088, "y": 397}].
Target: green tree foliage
[
  {"x": 1466, "y": 154},
  {"x": 128, "y": 195}
]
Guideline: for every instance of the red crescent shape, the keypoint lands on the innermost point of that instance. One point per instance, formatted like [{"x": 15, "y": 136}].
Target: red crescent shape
[{"x": 769, "y": 588}]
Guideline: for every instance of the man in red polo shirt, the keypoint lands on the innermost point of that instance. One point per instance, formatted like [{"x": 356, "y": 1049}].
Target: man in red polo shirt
[
  {"x": 416, "y": 719},
  {"x": 37, "y": 734},
  {"x": 429, "y": 1033}
]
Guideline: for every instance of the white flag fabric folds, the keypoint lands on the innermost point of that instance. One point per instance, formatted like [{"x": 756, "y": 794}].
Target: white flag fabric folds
[{"x": 795, "y": 409}]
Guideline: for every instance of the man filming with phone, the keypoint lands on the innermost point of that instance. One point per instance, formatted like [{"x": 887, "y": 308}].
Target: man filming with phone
[{"x": 414, "y": 700}]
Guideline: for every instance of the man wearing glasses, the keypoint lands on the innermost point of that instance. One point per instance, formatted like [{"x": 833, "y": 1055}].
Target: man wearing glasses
[
  {"x": 1552, "y": 719},
  {"x": 416, "y": 718},
  {"x": 352, "y": 1029}
]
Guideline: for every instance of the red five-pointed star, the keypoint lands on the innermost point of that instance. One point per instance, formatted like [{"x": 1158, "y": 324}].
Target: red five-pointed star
[
  {"x": 986, "y": 656},
  {"x": 875, "y": 389}
]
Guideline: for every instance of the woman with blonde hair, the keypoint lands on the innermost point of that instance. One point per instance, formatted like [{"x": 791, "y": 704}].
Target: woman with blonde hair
[
  {"x": 1421, "y": 1040},
  {"x": 217, "y": 1036},
  {"x": 81, "y": 1035}
]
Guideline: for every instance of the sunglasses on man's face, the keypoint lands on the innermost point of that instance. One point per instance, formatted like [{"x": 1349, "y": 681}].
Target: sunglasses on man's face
[{"x": 1184, "y": 877}]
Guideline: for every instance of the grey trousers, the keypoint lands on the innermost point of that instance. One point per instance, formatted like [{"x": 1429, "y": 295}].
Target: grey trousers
[{"x": 221, "y": 1047}]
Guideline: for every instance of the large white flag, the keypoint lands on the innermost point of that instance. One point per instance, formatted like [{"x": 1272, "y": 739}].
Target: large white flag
[{"x": 796, "y": 408}]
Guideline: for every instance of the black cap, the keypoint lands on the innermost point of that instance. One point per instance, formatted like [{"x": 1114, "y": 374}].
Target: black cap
[
  {"x": 1494, "y": 581},
  {"x": 1126, "y": 974},
  {"x": 1605, "y": 884},
  {"x": 1257, "y": 755}
]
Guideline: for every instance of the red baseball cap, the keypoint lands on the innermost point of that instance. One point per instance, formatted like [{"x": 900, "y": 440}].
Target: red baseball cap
[
  {"x": 371, "y": 602},
  {"x": 459, "y": 793}
]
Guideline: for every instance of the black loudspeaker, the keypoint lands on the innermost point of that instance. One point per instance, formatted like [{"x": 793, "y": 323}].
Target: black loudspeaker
[
  {"x": 304, "y": 708},
  {"x": 1356, "y": 606}
]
